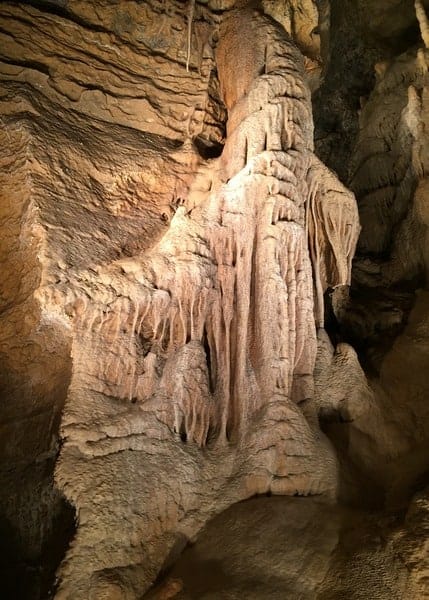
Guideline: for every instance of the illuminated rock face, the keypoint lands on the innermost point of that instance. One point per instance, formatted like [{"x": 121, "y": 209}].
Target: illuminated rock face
[
  {"x": 169, "y": 307},
  {"x": 192, "y": 384}
]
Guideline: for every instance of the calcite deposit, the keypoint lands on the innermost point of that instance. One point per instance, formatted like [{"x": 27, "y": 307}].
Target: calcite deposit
[
  {"x": 176, "y": 321},
  {"x": 208, "y": 338}
]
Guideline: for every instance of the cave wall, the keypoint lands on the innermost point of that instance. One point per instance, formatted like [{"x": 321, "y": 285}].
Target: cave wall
[{"x": 113, "y": 118}]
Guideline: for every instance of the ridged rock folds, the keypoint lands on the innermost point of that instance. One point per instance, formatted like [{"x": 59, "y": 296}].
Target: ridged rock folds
[
  {"x": 189, "y": 290},
  {"x": 196, "y": 356}
]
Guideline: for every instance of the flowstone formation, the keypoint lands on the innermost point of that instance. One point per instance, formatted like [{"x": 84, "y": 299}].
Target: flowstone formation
[
  {"x": 170, "y": 250},
  {"x": 192, "y": 383}
]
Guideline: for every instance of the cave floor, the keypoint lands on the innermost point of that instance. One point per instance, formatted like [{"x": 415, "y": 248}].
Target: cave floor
[{"x": 290, "y": 548}]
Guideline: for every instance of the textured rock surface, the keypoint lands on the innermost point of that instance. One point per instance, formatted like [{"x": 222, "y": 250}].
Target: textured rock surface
[
  {"x": 169, "y": 244},
  {"x": 208, "y": 337},
  {"x": 391, "y": 188},
  {"x": 299, "y": 548}
]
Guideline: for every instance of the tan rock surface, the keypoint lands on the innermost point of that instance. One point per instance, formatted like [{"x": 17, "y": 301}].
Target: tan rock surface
[
  {"x": 186, "y": 344},
  {"x": 169, "y": 306},
  {"x": 390, "y": 443},
  {"x": 300, "y": 548}
]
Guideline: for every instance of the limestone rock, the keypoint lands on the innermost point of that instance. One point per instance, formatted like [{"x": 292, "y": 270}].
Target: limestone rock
[
  {"x": 301, "y": 548},
  {"x": 189, "y": 351},
  {"x": 169, "y": 244},
  {"x": 385, "y": 182}
]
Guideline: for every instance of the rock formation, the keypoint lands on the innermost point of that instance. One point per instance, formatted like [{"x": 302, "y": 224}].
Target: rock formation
[
  {"x": 206, "y": 342},
  {"x": 233, "y": 556},
  {"x": 173, "y": 249}
]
